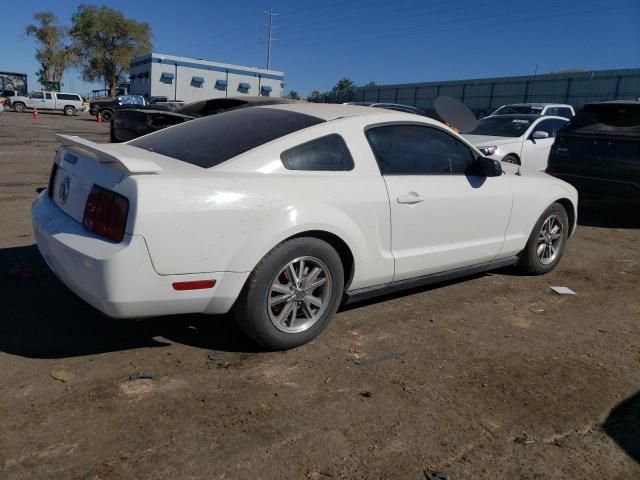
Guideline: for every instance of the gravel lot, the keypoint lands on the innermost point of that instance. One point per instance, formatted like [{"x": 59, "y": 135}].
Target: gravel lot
[{"x": 493, "y": 376}]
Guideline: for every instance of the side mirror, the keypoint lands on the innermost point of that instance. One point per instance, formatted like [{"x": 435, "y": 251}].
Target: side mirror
[
  {"x": 485, "y": 167},
  {"x": 539, "y": 135}
]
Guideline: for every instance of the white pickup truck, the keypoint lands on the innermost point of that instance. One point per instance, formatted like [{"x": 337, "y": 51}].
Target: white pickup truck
[{"x": 69, "y": 103}]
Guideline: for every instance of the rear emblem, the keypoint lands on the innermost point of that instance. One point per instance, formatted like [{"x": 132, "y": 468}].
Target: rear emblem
[{"x": 63, "y": 193}]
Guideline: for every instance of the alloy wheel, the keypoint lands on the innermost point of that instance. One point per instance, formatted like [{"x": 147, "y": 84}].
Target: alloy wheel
[{"x": 550, "y": 240}]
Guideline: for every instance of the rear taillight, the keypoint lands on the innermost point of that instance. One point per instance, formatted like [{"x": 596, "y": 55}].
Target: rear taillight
[
  {"x": 52, "y": 179},
  {"x": 106, "y": 213}
]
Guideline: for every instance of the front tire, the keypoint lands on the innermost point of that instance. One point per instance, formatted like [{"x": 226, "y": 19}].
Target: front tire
[
  {"x": 19, "y": 107},
  {"x": 292, "y": 294},
  {"x": 546, "y": 243},
  {"x": 511, "y": 159}
]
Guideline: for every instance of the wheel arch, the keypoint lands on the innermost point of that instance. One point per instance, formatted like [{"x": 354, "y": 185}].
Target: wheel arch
[
  {"x": 570, "y": 208},
  {"x": 513, "y": 154}
]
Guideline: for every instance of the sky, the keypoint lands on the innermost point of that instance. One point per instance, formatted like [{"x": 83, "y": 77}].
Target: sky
[{"x": 383, "y": 41}]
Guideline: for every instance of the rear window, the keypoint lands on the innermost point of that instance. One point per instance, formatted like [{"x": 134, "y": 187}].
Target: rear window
[
  {"x": 209, "y": 141},
  {"x": 619, "y": 119},
  {"x": 67, "y": 96}
]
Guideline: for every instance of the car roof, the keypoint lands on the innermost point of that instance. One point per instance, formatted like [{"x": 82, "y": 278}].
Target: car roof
[
  {"x": 617, "y": 102},
  {"x": 332, "y": 111},
  {"x": 523, "y": 116}
]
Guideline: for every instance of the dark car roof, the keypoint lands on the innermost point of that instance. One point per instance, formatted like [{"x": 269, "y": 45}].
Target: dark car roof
[
  {"x": 616, "y": 102},
  {"x": 521, "y": 116}
]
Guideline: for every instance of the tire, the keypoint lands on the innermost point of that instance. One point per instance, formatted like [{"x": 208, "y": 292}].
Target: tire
[
  {"x": 69, "y": 110},
  {"x": 19, "y": 107},
  {"x": 511, "y": 159},
  {"x": 551, "y": 247},
  {"x": 268, "y": 303},
  {"x": 106, "y": 115},
  {"x": 112, "y": 135}
]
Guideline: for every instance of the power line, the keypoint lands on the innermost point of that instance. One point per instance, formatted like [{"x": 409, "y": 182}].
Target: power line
[{"x": 270, "y": 39}]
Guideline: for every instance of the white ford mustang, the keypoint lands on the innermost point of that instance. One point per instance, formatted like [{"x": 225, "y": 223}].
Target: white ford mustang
[
  {"x": 520, "y": 139},
  {"x": 283, "y": 212}
]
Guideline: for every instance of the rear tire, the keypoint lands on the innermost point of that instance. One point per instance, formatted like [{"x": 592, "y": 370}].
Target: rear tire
[
  {"x": 19, "y": 107},
  {"x": 511, "y": 159},
  {"x": 546, "y": 243},
  {"x": 292, "y": 294},
  {"x": 69, "y": 111}
]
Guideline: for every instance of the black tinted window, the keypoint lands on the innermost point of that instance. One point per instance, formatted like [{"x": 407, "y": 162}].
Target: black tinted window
[
  {"x": 67, "y": 96},
  {"x": 565, "y": 112},
  {"x": 328, "y": 153},
  {"x": 209, "y": 141},
  {"x": 550, "y": 126},
  {"x": 616, "y": 118},
  {"x": 417, "y": 150}
]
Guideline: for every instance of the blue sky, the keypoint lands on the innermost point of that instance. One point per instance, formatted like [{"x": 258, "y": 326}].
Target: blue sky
[{"x": 377, "y": 40}]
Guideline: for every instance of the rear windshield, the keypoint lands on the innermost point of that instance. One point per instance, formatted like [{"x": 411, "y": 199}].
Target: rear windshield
[
  {"x": 209, "y": 141},
  {"x": 518, "y": 109},
  {"x": 501, "y": 127},
  {"x": 612, "y": 118}
]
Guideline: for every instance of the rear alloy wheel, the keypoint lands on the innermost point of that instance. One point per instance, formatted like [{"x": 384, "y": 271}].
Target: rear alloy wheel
[
  {"x": 546, "y": 243},
  {"x": 68, "y": 111},
  {"x": 292, "y": 294}
]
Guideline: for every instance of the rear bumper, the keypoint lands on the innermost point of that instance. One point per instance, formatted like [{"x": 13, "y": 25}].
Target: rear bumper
[{"x": 119, "y": 279}]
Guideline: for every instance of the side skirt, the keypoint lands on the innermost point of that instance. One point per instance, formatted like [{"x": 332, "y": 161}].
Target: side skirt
[{"x": 392, "y": 287}]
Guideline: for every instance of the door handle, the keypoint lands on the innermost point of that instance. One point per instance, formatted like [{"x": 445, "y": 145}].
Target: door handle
[{"x": 410, "y": 198}]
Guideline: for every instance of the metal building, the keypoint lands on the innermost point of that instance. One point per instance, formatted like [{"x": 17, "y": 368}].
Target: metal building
[
  {"x": 191, "y": 79},
  {"x": 483, "y": 96}
]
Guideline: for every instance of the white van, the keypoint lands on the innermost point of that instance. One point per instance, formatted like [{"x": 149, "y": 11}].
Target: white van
[{"x": 69, "y": 103}]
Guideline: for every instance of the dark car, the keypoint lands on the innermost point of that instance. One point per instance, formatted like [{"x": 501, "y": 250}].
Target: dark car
[
  {"x": 598, "y": 151},
  {"x": 106, "y": 106},
  {"x": 128, "y": 124}
]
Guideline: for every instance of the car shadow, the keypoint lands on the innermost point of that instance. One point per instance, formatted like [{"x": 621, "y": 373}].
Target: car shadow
[
  {"x": 609, "y": 213},
  {"x": 41, "y": 318},
  {"x": 623, "y": 426}
]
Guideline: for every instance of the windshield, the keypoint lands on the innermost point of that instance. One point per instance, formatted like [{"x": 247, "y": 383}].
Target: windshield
[
  {"x": 613, "y": 118},
  {"x": 518, "y": 109},
  {"x": 501, "y": 127}
]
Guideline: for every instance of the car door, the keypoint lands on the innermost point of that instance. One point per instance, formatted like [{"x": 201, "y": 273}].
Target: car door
[
  {"x": 49, "y": 101},
  {"x": 535, "y": 151},
  {"x": 36, "y": 100},
  {"x": 441, "y": 218}
]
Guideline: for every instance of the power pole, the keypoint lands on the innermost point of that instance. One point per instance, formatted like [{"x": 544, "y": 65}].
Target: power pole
[{"x": 270, "y": 38}]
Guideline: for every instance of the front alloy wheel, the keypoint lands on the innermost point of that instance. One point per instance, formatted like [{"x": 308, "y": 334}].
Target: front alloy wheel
[{"x": 299, "y": 294}]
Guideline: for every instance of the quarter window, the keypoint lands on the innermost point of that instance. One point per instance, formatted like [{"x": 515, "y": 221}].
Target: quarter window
[
  {"x": 417, "y": 150},
  {"x": 328, "y": 153}
]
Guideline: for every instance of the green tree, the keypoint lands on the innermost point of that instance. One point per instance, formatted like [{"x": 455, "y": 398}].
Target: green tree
[
  {"x": 293, "y": 95},
  {"x": 51, "y": 51},
  {"x": 314, "y": 96},
  {"x": 343, "y": 84},
  {"x": 107, "y": 42}
]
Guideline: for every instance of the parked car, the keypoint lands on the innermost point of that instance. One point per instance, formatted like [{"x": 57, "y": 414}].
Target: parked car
[
  {"x": 128, "y": 124},
  {"x": 546, "y": 109},
  {"x": 279, "y": 212},
  {"x": 69, "y": 103},
  {"x": 520, "y": 139},
  {"x": 106, "y": 106},
  {"x": 391, "y": 106},
  {"x": 598, "y": 151}
]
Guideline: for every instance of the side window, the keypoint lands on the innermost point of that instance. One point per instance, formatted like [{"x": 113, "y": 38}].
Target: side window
[
  {"x": 565, "y": 112},
  {"x": 546, "y": 126},
  {"x": 37, "y": 96},
  {"x": 551, "y": 112},
  {"x": 328, "y": 153},
  {"x": 48, "y": 95},
  {"x": 557, "y": 125},
  {"x": 417, "y": 150}
]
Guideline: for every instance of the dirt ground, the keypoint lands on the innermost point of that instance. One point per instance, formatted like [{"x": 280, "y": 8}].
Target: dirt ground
[{"x": 490, "y": 377}]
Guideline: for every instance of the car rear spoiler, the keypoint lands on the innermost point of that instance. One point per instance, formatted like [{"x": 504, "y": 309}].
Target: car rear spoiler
[{"x": 128, "y": 157}]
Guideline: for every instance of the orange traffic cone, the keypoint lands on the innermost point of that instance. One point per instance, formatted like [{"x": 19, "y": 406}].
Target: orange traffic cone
[
  {"x": 36, "y": 115},
  {"x": 99, "y": 118}
]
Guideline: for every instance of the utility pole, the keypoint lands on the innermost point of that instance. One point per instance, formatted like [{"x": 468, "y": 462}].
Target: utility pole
[{"x": 270, "y": 38}]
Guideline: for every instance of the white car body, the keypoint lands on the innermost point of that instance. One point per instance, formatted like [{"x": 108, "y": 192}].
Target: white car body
[
  {"x": 188, "y": 223},
  {"x": 543, "y": 109},
  {"x": 532, "y": 153},
  {"x": 42, "y": 100}
]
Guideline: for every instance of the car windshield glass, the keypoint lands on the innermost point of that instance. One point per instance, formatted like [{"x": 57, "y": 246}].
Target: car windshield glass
[
  {"x": 620, "y": 119},
  {"x": 209, "y": 141},
  {"x": 521, "y": 109},
  {"x": 501, "y": 127}
]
